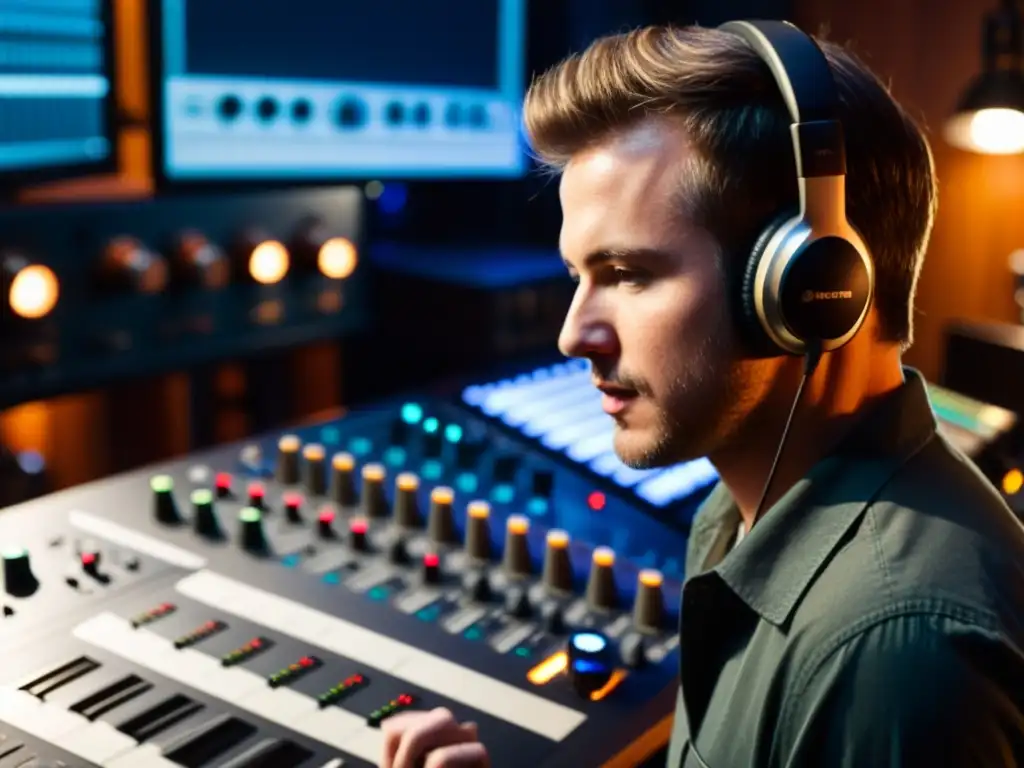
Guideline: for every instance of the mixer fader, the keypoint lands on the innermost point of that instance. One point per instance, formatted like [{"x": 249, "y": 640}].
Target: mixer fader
[{"x": 272, "y": 603}]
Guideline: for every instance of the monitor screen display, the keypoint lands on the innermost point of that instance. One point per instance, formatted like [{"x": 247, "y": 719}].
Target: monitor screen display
[
  {"x": 322, "y": 89},
  {"x": 55, "y": 88}
]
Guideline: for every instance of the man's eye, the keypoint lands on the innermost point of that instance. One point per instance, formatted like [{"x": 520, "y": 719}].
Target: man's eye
[{"x": 629, "y": 276}]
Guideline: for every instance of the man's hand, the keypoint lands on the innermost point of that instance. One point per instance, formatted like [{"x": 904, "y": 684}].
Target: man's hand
[{"x": 432, "y": 739}]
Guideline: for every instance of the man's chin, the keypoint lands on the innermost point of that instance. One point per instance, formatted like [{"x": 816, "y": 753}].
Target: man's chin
[{"x": 640, "y": 449}]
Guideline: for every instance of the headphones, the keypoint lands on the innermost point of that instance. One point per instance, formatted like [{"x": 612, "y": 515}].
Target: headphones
[{"x": 809, "y": 279}]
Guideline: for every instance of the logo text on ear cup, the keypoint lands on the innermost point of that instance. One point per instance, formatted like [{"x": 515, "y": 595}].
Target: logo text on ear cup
[{"x": 808, "y": 296}]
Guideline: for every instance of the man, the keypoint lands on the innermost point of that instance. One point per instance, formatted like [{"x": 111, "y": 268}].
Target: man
[{"x": 874, "y": 615}]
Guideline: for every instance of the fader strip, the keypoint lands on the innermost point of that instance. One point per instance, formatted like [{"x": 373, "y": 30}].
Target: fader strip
[{"x": 425, "y": 670}]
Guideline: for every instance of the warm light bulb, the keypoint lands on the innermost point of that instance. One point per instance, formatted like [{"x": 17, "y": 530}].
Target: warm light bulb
[
  {"x": 34, "y": 291},
  {"x": 993, "y": 131},
  {"x": 268, "y": 262},
  {"x": 336, "y": 258}
]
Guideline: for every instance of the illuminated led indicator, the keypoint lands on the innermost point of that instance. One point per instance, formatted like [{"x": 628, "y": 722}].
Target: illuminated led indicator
[
  {"x": 201, "y": 497},
  {"x": 412, "y": 413},
  {"x": 293, "y": 672},
  {"x": 393, "y": 707},
  {"x": 343, "y": 462},
  {"x": 442, "y": 495},
  {"x": 33, "y": 292},
  {"x": 247, "y": 651},
  {"x": 431, "y": 560},
  {"x": 256, "y": 493},
  {"x": 1013, "y": 481},
  {"x": 343, "y": 689},
  {"x": 549, "y": 669},
  {"x": 453, "y": 433},
  {"x": 589, "y": 642},
  {"x": 604, "y": 557},
  {"x": 162, "y": 484},
  {"x": 373, "y": 472},
  {"x": 208, "y": 629},
  {"x": 596, "y": 501},
  {"x": 269, "y": 262},
  {"x": 164, "y": 609},
  {"x": 431, "y": 425}
]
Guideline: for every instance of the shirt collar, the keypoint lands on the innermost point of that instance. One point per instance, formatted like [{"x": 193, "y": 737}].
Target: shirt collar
[{"x": 774, "y": 565}]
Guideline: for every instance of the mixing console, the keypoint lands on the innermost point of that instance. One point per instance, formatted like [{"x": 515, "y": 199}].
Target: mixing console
[{"x": 270, "y": 604}]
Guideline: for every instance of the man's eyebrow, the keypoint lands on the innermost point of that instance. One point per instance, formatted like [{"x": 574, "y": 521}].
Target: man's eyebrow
[{"x": 604, "y": 255}]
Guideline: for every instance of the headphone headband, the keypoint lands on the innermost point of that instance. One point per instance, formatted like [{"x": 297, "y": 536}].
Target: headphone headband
[{"x": 804, "y": 77}]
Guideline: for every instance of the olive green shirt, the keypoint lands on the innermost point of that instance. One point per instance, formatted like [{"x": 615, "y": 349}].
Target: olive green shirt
[{"x": 874, "y": 616}]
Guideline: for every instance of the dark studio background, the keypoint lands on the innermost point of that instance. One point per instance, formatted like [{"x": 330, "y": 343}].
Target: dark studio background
[{"x": 928, "y": 51}]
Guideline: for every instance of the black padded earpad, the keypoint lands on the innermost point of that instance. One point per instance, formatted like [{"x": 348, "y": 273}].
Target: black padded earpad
[{"x": 754, "y": 336}]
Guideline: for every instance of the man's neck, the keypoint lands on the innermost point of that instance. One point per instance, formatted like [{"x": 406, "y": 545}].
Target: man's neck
[{"x": 842, "y": 389}]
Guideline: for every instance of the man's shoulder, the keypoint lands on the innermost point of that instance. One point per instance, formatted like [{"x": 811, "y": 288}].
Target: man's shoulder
[{"x": 936, "y": 541}]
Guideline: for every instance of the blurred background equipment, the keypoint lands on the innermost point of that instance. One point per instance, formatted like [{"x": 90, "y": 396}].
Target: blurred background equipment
[
  {"x": 279, "y": 301},
  {"x": 56, "y": 81},
  {"x": 394, "y": 90}
]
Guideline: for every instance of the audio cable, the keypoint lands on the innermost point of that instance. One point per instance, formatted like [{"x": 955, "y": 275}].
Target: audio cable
[{"x": 811, "y": 359}]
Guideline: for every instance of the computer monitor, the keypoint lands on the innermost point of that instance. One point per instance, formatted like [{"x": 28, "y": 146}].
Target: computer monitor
[
  {"x": 322, "y": 90},
  {"x": 56, "y": 101}
]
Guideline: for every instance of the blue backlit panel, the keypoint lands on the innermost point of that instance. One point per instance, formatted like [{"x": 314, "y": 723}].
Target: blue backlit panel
[
  {"x": 558, "y": 407},
  {"x": 320, "y": 89},
  {"x": 54, "y": 85}
]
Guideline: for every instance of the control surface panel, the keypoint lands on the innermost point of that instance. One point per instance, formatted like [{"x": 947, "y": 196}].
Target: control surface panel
[{"x": 272, "y": 603}]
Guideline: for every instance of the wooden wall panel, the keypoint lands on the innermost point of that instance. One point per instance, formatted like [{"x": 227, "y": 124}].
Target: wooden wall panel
[{"x": 928, "y": 52}]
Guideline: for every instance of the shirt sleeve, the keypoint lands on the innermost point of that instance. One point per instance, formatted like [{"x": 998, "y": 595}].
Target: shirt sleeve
[{"x": 914, "y": 690}]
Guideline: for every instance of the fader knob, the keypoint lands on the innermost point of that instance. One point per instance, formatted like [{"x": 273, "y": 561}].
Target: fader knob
[
  {"x": 590, "y": 662},
  {"x": 478, "y": 530},
  {"x": 343, "y": 486},
  {"x": 165, "y": 508},
  {"x": 517, "y": 603},
  {"x": 253, "y": 538},
  {"x": 649, "y": 607},
  {"x": 287, "y": 472},
  {"x": 257, "y": 496},
  {"x": 314, "y": 471},
  {"x": 602, "y": 593},
  {"x": 516, "y": 561},
  {"x": 325, "y": 524},
  {"x": 441, "y": 518},
  {"x": 19, "y": 580},
  {"x": 407, "y": 503},
  {"x": 204, "y": 518},
  {"x": 557, "y": 574},
  {"x": 375, "y": 504}
]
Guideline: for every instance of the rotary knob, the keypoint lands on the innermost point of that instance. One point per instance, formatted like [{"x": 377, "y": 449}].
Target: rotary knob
[
  {"x": 602, "y": 592},
  {"x": 19, "y": 580},
  {"x": 314, "y": 471},
  {"x": 287, "y": 470},
  {"x": 441, "y": 518},
  {"x": 292, "y": 507},
  {"x": 407, "y": 504},
  {"x": 557, "y": 575},
  {"x": 252, "y": 534},
  {"x": 516, "y": 560},
  {"x": 165, "y": 508},
  {"x": 590, "y": 662},
  {"x": 649, "y": 606},
  {"x": 374, "y": 502},
  {"x": 343, "y": 486},
  {"x": 478, "y": 530},
  {"x": 204, "y": 516},
  {"x": 357, "y": 539}
]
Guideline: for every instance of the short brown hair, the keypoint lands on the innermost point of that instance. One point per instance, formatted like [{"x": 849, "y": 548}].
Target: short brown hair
[{"x": 736, "y": 119}]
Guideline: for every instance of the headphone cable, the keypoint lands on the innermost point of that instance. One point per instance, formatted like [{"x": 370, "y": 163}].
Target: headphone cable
[{"x": 811, "y": 359}]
